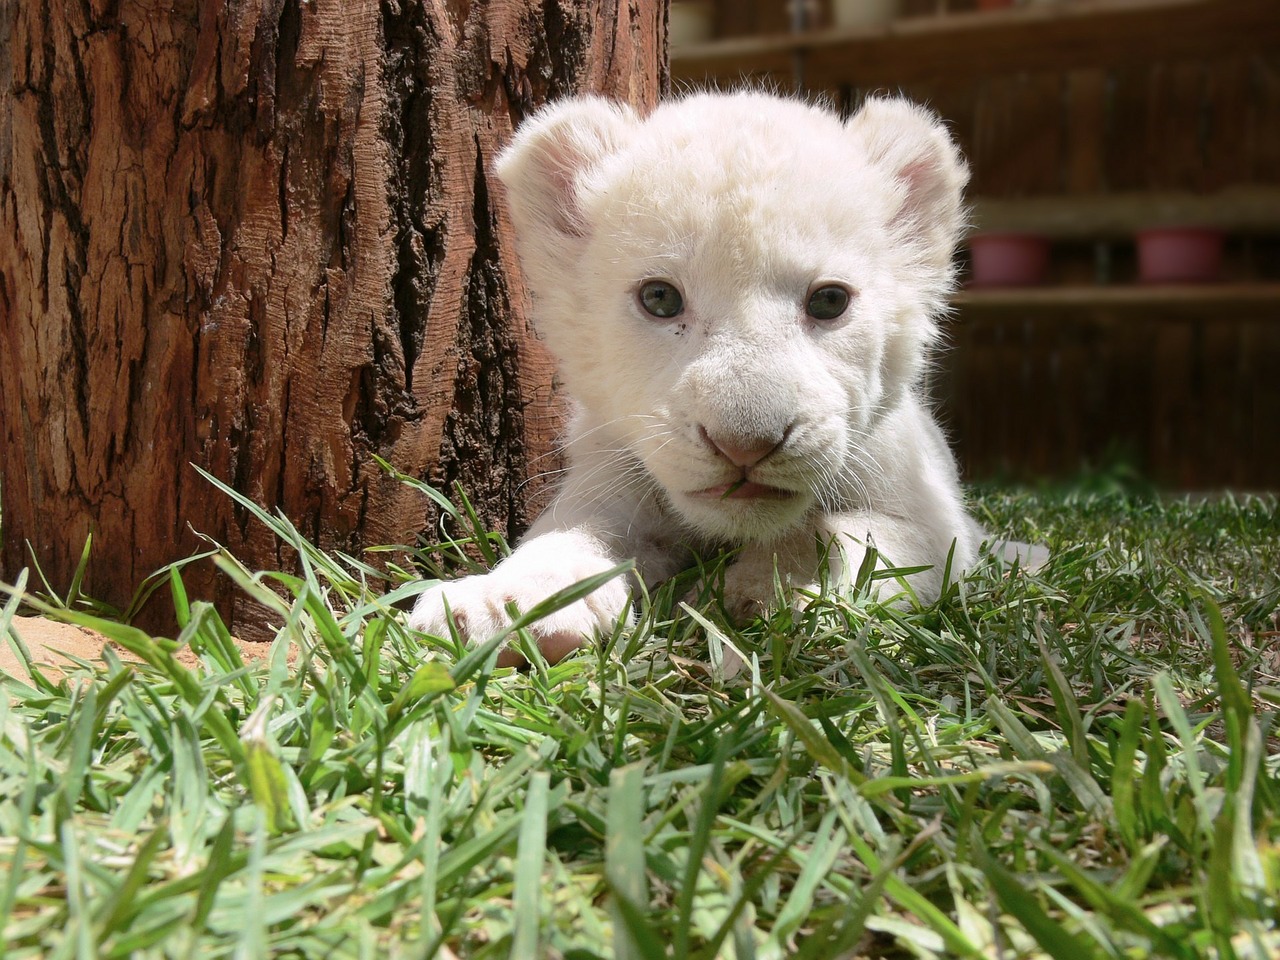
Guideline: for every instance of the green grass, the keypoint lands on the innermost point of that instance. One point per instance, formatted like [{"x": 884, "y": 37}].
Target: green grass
[{"x": 1077, "y": 763}]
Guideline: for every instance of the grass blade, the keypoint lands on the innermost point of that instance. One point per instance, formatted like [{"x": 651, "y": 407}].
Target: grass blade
[
  {"x": 624, "y": 864},
  {"x": 531, "y": 851},
  {"x": 1014, "y": 896}
]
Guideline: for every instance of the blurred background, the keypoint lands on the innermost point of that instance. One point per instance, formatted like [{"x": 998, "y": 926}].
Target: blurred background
[{"x": 1121, "y": 307}]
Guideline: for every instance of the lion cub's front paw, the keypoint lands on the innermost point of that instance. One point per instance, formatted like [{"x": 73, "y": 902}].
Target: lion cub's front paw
[
  {"x": 751, "y": 584},
  {"x": 479, "y": 604},
  {"x": 751, "y": 593}
]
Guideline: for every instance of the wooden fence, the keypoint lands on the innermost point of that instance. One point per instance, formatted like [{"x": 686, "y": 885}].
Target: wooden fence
[{"x": 1185, "y": 387}]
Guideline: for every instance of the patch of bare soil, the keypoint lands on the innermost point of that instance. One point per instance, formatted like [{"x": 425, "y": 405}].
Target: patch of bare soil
[{"x": 49, "y": 642}]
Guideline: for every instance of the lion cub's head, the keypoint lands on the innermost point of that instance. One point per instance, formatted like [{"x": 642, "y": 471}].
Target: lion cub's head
[{"x": 739, "y": 286}]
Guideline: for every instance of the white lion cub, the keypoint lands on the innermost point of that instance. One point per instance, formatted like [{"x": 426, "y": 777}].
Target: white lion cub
[{"x": 741, "y": 290}]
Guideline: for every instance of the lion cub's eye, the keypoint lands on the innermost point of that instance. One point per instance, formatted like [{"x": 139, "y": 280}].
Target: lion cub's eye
[
  {"x": 661, "y": 299},
  {"x": 827, "y": 303}
]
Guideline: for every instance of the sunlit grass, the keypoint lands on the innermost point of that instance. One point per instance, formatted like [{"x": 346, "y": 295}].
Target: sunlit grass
[{"x": 1075, "y": 763}]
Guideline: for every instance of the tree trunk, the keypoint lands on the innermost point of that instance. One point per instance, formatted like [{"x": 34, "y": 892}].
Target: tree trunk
[{"x": 264, "y": 237}]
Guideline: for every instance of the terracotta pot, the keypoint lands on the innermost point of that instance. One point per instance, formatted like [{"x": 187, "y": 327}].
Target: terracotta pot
[
  {"x": 1180, "y": 254},
  {"x": 1008, "y": 259}
]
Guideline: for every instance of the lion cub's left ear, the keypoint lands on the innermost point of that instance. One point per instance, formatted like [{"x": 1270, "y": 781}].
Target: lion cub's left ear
[
  {"x": 912, "y": 145},
  {"x": 548, "y": 166}
]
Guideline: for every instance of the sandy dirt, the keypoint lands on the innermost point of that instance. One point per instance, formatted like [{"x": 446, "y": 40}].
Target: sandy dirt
[{"x": 48, "y": 641}]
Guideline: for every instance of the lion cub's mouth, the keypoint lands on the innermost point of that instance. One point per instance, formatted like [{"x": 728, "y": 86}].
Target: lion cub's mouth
[{"x": 744, "y": 490}]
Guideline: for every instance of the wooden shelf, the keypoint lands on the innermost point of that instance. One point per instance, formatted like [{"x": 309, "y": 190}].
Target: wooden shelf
[
  {"x": 1237, "y": 210},
  {"x": 1066, "y": 35},
  {"x": 1173, "y": 299}
]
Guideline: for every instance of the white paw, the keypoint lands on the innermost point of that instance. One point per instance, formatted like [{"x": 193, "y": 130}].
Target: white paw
[
  {"x": 749, "y": 591},
  {"x": 479, "y": 604},
  {"x": 755, "y": 594},
  {"x": 751, "y": 584}
]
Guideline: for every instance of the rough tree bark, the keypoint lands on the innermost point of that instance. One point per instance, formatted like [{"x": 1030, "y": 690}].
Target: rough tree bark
[{"x": 263, "y": 236}]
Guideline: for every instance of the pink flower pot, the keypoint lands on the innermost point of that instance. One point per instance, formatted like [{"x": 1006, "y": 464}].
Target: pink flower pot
[
  {"x": 1008, "y": 259},
  {"x": 1180, "y": 255}
]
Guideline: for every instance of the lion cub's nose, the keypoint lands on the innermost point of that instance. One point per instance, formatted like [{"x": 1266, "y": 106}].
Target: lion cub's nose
[{"x": 743, "y": 452}]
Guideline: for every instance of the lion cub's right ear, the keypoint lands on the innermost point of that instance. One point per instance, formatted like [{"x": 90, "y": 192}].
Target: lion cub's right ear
[{"x": 547, "y": 167}]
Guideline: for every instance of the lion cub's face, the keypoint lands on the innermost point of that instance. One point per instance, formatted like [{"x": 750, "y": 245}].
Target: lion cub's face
[{"x": 739, "y": 284}]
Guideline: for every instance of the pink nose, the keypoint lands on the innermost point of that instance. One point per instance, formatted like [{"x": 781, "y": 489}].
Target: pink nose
[{"x": 743, "y": 451}]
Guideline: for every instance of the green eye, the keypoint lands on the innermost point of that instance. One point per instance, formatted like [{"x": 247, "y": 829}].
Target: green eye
[
  {"x": 661, "y": 299},
  {"x": 827, "y": 303}
]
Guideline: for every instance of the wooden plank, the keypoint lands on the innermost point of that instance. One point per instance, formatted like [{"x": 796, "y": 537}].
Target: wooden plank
[
  {"x": 956, "y": 101},
  {"x": 1004, "y": 387},
  {"x": 1016, "y": 147},
  {"x": 1052, "y": 378},
  {"x": 735, "y": 18},
  {"x": 1122, "y": 379},
  {"x": 1240, "y": 209},
  {"x": 738, "y": 18},
  {"x": 1033, "y": 37},
  {"x": 1221, "y": 405},
  {"x": 1229, "y": 141},
  {"x": 992, "y": 130},
  {"x": 1264, "y": 129},
  {"x": 1086, "y": 117},
  {"x": 1124, "y": 147},
  {"x": 977, "y": 411},
  {"x": 1176, "y": 107},
  {"x": 1260, "y": 398},
  {"x": 1222, "y": 301},
  {"x": 1041, "y": 146}
]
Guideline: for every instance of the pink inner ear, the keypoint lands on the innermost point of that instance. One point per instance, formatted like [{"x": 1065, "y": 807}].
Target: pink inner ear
[
  {"x": 564, "y": 215},
  {"x": 560, "y": 163},
  {"x": 930, "y": 211},
  {"x": 921, "y": 178}
]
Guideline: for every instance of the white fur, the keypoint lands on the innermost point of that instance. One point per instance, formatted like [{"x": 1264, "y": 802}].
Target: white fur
[{"x": 745, "y": 202}]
